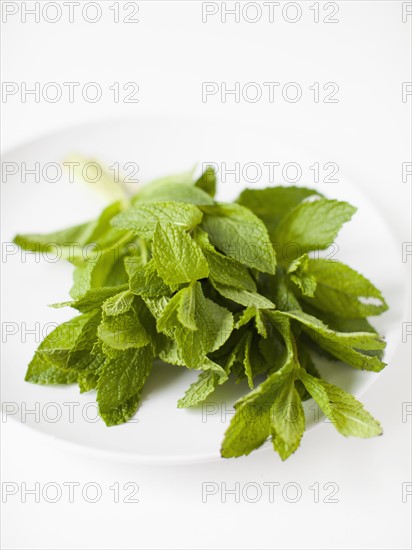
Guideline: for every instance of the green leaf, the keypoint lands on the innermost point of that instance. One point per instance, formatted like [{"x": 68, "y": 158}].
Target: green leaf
[
  {"x": 346, "y": 346},
  {"x": 252, "y": 312},
  {"x": 102, "y": 232},
  {"x": 91, "y": 274},
  {"x": 120, "y": 383},
  {"x": 345, "y": 412},
  {"x": 207, "y": 181},
  {"x": 69, "y": 243},
  {"x": 229, "y": 272},
  {"x": 287, "y": 418},
  {"x": 199, "y": 390},
  {"x": 178, "y": 259},
  {"x": 179, "y": 194},
  {"x": 310, "y": 226},
  {"x": 273, "y": 408},
  {"x": 186, "y": 312},
  {"x": 300, "y": 274},
  {"x": 237, "y": 232},
  {"x": 41, "y": 371},
  {"x": 93, "y": 298},
  {"x": 80, "y": 356},
  {"x": 178, "y": 188},
  {"x": 246, "y": 360},
  {"x": 214, "y": 326},
  {"x": 343, "y": 291},
  {"x": 174, "y": 180},
  {"x": 119, "y": 303},
  {"x": 273, "y": 203},
  {"x": 145, "y": 281},
  {"x": 123, "y": 412},
  {"x": 89, "y": 377},
  {"x": 243, "y": 297},
  {"x": 56, "y": 347},
  {"x": 143, "y": 218},
  {"x": 167, "y": 319},
  {"x": 281, "y": 293},
  {"x": 151, "y": 279},
  {"x": 117, "y": 275},
  {"x": 223, "y": 269},
  {"x": 123, "y": 331},
  {"x": 156, "y": 304},
  {"x": 58, "y": 353},
  {"x": 249, "y": 427}
]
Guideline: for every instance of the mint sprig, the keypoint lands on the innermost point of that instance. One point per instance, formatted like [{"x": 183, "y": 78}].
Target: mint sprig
[{"x": 208, "y": 286}]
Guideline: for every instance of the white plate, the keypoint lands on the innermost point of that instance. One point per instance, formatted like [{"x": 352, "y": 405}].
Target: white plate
[{"x": 160, "y": 432}]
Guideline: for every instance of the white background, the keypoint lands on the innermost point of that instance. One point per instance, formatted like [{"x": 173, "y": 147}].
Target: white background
[{"x": 169, "y": 53}]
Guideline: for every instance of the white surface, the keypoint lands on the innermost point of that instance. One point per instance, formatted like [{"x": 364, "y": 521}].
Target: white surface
[
  {"x": 193, "y": 435},
  {"x": 169, "y": 53}
]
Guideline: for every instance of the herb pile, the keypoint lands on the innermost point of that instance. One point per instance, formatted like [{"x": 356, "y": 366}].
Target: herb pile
[{"x": 228, "y": 290}]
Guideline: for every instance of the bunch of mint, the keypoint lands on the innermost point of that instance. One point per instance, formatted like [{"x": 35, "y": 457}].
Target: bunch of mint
[{"x": 229, "y": 290}]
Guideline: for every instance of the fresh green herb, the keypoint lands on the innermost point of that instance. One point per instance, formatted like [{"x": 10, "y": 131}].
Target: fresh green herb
[{"x": 209, "y": 286}]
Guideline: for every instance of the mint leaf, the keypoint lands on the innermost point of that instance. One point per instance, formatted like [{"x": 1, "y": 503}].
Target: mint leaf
[
  {"x": 346, "y": 346},
  {"x": 280, "y": 292},
  {"x": 123, "y": 412},
  {"x": 145, "y": 281},
  {"x": 89, "y": 377},
  {"x": 56, "y": 347},
  {"x": 273, "y": 203},
  {"x": 300, "y": 274},
  {"x": 252, "y": 312},
  {"x": 143, "y": 218},
  {"x": 167, "y": 318},
  {"x": 229, "y": 272},
  {"x": 178, "y": 259},
  {"x": 66, "y": 241},
  {"x": 41, "y": 371},
  {"x": 273, "y": 408},
  {"x": 288, "y": 418},
  {"x": 343, "y": 291},
  {"x": 243, "y": 297},
  {"x": 123, "y": 331},
  {"x": 91, "y": 274},
  {"x": 207, "y": 181},
  {"x": 238, "y": 233},
  {"x": 311, "y": 226},
  {"x": 173, "y": 275},
  {"x": 80, "y": 356},
  {"x": 56, "y": 355},
  {"x": 345, "y": 412},
  {"x": 186, "y": 312},
  {"x": 178, "y": 188},
  {"x": 199, "y": 390},
  {"x": 69, "y": 243},
  {"x": 214, "y": 325},
  {"x": 117, "y": 304},
  {"x": 120, "y": 383},
  {"x": 93, "y": 298}
]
